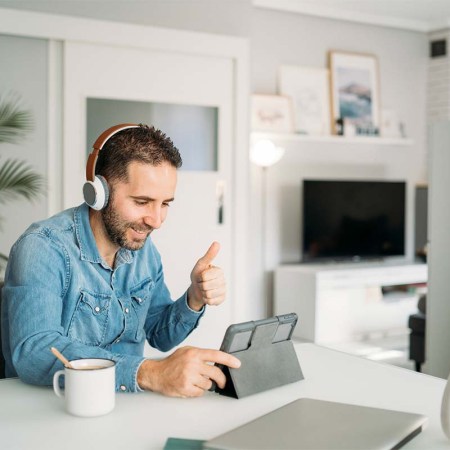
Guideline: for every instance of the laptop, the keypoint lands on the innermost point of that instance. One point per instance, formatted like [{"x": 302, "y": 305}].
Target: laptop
[{"x": 308, "y": 424}]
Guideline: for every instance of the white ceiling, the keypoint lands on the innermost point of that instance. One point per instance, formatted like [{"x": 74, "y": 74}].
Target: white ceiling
[{"x": 417, "y": 15}]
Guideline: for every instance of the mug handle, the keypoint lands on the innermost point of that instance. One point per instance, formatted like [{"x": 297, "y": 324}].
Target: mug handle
[{"x": 56, "y": 387}]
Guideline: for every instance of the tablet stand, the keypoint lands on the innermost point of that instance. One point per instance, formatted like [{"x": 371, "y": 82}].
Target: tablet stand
[{"x": 265, "y": 365}]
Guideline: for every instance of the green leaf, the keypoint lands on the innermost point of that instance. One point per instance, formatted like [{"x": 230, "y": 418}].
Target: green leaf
[
  {"x": 17, "y": 179},
  {"x": 15, "y": 122}
]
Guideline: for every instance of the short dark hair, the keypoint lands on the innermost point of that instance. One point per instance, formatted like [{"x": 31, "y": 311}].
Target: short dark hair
[{"x": 144, "y": 144}]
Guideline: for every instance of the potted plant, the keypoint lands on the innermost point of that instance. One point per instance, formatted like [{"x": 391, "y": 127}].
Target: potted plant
[{"x": 17, "y": 178}]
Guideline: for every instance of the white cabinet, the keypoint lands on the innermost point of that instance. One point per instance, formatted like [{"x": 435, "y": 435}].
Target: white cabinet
[{"x": 348, "y": 302}]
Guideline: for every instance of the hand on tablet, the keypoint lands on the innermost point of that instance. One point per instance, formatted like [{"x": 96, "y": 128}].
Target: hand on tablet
[{"x": 185, "y": 373}]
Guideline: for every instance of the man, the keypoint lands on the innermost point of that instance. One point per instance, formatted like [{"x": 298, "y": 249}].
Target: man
[{"x": 90, "y": 282}]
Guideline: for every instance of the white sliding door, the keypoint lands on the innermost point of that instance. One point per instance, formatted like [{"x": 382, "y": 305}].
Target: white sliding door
[{"x": 202, "y": 210}]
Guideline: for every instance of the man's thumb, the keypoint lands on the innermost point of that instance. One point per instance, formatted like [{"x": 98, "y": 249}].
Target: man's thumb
[{"x": 209, "y": 256}]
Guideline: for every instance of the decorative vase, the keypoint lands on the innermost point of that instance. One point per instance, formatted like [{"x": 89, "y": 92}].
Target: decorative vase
[{"x": 445, "y": 409}]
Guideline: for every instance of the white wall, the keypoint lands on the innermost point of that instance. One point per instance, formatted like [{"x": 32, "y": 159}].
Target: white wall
[
  {"x": 24, "y": 72},
  {"x": 285, "y": 38},
  {"x": 438, "y": 303}
]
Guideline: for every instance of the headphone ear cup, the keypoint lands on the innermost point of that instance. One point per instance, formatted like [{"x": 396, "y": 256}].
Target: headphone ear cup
[
  {"x": 105, "y": 190},
  {"x": 96, "y": 193}
]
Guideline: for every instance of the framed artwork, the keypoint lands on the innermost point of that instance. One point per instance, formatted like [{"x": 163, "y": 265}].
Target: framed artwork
[
  {"x": 355, "y": 92},
  {"x": 309, "y": 89},
  {"x": 272, "y": 113}
]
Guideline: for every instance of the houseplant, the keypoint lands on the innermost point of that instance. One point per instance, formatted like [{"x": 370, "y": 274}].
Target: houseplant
[{"x": 17, "y": 178}]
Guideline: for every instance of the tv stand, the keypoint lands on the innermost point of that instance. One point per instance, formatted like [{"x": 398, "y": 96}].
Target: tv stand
[
  {"x": 339, "y": 303},
  {"x": 342, "y": 261}
]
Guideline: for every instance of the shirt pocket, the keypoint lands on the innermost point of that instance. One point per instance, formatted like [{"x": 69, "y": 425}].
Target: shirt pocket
[
  {"x": 90, "y": 318},
  {"x": 140, "y": 302}
]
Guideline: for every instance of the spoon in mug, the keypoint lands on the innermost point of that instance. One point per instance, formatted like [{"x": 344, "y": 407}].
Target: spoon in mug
[
  {"x": 67, "y": 364},
  {"x": 61, "y": 358}
]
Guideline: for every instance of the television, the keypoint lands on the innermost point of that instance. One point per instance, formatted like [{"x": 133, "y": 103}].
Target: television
[{"x": 353, "y": 220}]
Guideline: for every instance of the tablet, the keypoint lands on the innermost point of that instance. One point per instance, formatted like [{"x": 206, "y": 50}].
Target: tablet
[{"x": 238, "y": 337}]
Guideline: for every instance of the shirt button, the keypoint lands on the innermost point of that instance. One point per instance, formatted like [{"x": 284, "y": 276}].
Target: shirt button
[
  {"x": 127, "y": 310},
  {"x": 123, "y": 388},
  {"x": 97, "y": 309},
  {"x": 139, "y": 300},
  {"x": 117, "y": 341}
]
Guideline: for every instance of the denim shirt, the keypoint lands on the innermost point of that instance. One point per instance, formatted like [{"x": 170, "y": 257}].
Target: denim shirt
[{"x": 60, "y": 293}]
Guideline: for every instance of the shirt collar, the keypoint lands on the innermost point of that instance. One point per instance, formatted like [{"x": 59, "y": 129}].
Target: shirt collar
[{"x": 86, "y": 241}]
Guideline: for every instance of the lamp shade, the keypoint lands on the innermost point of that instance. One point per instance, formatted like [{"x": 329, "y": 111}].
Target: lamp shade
[{"x": 265, "y": 153}]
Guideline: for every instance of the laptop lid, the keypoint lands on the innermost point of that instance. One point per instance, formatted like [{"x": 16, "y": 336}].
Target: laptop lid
[{"x": 308, "y": 424}]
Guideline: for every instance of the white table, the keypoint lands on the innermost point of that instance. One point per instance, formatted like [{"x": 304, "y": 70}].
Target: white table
[{"x": 32, "y": 417}]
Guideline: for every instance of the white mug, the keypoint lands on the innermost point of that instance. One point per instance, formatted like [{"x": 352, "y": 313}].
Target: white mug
[{"x": 89, "y": 387}]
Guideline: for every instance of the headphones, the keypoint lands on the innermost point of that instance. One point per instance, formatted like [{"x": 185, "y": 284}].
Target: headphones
[{"x": 95, "y": 189}]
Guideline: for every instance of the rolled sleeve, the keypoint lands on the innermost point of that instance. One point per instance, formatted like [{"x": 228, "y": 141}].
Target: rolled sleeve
[
  {"x": 196, "y": 314},
  {"x": 127, "y": 368}
]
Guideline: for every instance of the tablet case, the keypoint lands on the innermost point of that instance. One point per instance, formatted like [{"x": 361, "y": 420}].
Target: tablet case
[{"x": 265, "y": 365}]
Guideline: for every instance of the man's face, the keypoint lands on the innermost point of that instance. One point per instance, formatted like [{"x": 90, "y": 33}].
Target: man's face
[{"x": 139, "y": 206}]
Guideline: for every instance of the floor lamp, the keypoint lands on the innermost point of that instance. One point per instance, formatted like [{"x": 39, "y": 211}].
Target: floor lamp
[{"x": 264, "y": 153}]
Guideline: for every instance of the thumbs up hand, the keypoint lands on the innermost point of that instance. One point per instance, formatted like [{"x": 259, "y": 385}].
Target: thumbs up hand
[{"x": 207, "y": 281}]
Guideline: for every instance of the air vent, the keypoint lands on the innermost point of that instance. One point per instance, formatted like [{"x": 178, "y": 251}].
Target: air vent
[{"x": 438, "y": 48}]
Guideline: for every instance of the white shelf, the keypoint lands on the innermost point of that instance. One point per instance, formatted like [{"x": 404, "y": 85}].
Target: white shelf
[{"x": 369, "y": 140}]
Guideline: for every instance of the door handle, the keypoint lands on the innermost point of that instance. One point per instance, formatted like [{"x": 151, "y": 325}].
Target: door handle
[{"x": 220, "y": 193}]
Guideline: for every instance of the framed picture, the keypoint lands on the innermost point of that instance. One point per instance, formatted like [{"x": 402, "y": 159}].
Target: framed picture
[
  {"x": 272, "y": 113},
  {"x": 309, "y": 89},
  {"x": 355, "y": 92}
]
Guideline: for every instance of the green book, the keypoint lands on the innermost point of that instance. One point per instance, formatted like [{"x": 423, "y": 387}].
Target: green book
[{"x": 183, "y": 444}]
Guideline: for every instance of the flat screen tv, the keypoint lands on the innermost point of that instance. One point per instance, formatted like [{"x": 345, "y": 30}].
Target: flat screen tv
[{"x": 353, "y": 220}]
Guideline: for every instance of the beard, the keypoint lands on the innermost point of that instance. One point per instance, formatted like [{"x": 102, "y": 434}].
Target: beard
[{"x": 117, "y": 228}]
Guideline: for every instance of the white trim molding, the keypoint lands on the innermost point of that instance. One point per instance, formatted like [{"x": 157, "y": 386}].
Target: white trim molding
[
  {"x": 76, "y": 29},
  {"x": 317, "y": 10},
  {"x": 54, "y": 128}
]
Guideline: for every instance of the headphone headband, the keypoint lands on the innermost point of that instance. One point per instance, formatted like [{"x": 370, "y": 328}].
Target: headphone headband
[{"x": 98, "y": 145}]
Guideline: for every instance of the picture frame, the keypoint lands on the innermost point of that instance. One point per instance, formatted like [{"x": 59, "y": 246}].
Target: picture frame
[
  {"x": 355, "y": 92},
  {"x": 272, "y": 113},
  {"x": 309, "y": 89}
]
